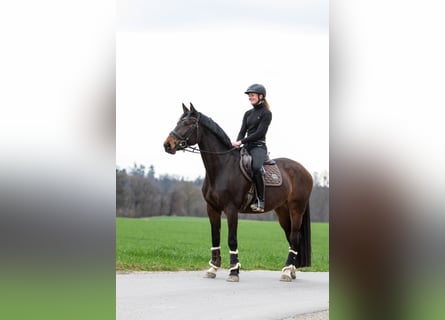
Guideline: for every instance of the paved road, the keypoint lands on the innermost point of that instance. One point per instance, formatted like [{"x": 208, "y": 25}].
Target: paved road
[{"x": 187, "y": 295}]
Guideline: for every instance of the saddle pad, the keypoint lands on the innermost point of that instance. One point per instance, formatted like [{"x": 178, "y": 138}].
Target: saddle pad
[{"x": 272, "y": 175}]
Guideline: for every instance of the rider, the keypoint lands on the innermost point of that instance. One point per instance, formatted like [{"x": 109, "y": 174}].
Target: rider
[{"x": 255, "y": 123}]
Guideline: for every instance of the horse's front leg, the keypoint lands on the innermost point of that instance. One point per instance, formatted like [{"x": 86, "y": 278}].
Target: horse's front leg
[
  {"x": 215, "y": 224},
  {"x": 232, "y": 221}
]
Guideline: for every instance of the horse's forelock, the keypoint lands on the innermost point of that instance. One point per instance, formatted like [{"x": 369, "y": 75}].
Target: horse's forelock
[{"x": 185, "y": 115}]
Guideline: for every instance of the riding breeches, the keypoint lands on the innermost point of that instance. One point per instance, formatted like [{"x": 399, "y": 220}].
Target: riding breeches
[{"x": 258, "y": 156}]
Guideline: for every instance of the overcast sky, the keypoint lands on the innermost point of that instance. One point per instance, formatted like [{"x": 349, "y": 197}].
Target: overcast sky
[{"x": 171, "y": 52}]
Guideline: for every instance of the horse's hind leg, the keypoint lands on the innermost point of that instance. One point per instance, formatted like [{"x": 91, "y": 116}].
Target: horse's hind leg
[
  {"x": 296, "y": 212},
  {"x": 215, "y": 224},
  {"x": 285, "y": 221}
]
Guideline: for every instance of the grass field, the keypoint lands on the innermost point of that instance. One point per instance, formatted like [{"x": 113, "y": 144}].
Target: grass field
[{"x": 183, "y": 243}]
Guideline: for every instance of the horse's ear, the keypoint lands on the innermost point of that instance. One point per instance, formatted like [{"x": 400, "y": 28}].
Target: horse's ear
[
  {"x": 192, "y": 108},
  {"x": 184, "y": 108}
]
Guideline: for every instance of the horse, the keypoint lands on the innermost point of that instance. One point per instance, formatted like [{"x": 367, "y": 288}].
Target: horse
[{"x": 224, "y": 189}]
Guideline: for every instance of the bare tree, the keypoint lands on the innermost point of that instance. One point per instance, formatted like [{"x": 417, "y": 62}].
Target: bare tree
[{"x": 141, "y": 194}]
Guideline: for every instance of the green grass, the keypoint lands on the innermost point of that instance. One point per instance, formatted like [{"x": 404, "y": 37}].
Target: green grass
[{"x": 183, "y": 243}]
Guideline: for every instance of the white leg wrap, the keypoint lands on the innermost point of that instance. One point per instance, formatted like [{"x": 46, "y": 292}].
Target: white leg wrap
[
  {"x": 293, "y": 251},
  {"x": 236, "y": 266},
  {"x": 289, "y": 269},
  {"x": 213, "y": 266},
  {"x": 212, "y": 269},
  {"x": 211, "y": 272}
]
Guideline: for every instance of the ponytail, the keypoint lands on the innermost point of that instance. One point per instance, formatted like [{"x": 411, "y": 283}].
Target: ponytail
[{"x": 266, "y": 104}]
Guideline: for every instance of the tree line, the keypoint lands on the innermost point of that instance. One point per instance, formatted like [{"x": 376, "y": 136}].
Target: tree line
[{"x": 139, "y": 193}]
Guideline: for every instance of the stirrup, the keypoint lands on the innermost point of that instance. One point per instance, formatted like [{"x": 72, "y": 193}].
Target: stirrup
[{"x": 258, "y": 206}]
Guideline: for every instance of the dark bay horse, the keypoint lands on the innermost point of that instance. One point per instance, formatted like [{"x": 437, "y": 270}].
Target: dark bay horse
[{"x": 225, "y": 187}]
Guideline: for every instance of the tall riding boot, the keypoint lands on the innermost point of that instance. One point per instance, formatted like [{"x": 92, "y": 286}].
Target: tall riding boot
[{"x": 258, "y": 205}]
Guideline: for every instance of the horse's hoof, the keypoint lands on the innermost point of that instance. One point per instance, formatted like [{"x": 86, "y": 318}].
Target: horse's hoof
[
  {"x": 210, "y": 275},
  {"x": 285, "y": 278},
  {"x": 232, "y": 278},
  {"x": 288, "y": 273}
]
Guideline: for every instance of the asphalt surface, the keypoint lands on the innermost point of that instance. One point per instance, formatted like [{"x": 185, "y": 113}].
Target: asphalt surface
[{"x": 187, "y": 295}]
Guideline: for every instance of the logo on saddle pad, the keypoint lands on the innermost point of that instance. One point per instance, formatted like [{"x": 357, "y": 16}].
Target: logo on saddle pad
[{"x": 272, "y": 174}]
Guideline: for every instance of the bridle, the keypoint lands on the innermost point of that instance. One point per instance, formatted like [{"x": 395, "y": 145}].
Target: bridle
[{"x": 184, "y": 139}]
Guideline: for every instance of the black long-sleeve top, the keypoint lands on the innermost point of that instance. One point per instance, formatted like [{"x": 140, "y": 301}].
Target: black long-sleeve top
[{"x": 256, "y": 121}]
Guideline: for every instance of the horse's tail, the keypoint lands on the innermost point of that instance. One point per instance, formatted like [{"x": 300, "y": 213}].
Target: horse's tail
[{"x": 304, "y": 252}]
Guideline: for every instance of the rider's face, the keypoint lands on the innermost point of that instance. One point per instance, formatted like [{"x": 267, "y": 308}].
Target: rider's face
[{"x": 254, "y": 98}]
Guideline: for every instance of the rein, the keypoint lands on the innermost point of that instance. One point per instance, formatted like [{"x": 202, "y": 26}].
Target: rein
[{"x": 196, "y": 150}]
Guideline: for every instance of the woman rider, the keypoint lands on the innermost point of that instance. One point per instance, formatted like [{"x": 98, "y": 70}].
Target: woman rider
[{"x": 255, "y": 123}]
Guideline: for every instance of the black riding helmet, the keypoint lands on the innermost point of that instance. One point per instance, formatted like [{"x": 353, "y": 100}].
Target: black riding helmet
[{"x": 256, "y": 88}]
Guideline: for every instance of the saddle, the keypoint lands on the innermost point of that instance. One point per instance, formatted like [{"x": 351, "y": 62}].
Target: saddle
[{"x": 272, "y": 174}]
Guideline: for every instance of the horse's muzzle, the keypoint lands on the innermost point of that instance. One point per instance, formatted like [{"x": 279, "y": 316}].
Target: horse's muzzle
[{"x": 168, "y": 148}]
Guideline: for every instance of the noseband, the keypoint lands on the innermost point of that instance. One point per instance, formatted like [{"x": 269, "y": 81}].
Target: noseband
[{"x": 184, "y": 140}]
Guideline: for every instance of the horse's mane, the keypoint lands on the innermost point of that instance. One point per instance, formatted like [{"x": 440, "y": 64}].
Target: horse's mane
[{"x": 211, "y": 125}]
